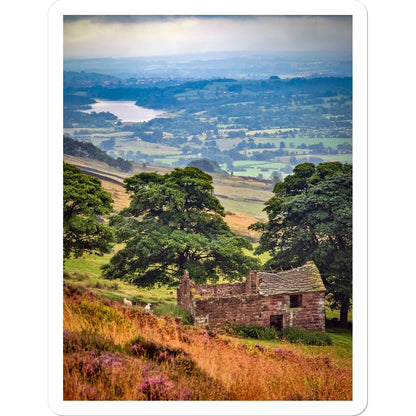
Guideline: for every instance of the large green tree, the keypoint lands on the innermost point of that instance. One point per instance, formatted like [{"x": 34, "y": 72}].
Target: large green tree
[
  {"x": 175, "y": 223},
  {"x": 85, "y": 201},
  {"x": 310, "y": 218}
]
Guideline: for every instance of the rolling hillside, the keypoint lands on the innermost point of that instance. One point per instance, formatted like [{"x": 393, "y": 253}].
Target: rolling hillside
[{"x": 242, "y": 198}]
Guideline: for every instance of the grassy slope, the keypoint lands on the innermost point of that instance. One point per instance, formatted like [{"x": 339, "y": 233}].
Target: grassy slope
[
  {"x": 105, "y": 360},
  {"x": 243, "y": 199},
  {"x": 85, "y": 273}
]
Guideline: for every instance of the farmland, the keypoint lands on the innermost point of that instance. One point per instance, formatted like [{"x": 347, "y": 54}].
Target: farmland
[{"x": 249, "y": 127}]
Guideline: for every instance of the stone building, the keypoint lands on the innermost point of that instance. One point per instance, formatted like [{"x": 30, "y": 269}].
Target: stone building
[{"x": 272, "y": 299}]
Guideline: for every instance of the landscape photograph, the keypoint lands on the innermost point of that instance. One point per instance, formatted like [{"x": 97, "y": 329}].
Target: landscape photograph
[{"x": 207, "y": 208}]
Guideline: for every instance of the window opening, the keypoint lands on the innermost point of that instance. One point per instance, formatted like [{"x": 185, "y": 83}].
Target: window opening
[{"x": 295, "y": 301}]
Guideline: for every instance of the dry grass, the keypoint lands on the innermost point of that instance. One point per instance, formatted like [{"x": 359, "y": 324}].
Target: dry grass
[
  {"x": 239, "y": 223},
  {"x": 115, "y": 353}
]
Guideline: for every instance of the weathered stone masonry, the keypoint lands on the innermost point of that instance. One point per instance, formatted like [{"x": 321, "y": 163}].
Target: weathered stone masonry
[{"x": 289, "y": 298}]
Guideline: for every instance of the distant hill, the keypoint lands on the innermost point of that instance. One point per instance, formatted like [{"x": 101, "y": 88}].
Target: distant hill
[
  {"x": 71, "y": 100},
  {"x": 207, "y": 165},
  {"x": 87, "y": 79},
  {"x": 85, "y": 149}
]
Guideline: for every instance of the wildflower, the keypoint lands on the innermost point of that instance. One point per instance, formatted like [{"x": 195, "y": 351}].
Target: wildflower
[
  {"x": 259, "y": 347},
  {"x": 157, "y": 388},
  {"x": 185, "y": 394},
  {"x": 111, "y": 360},
  {"x": 91, "y": 393}
]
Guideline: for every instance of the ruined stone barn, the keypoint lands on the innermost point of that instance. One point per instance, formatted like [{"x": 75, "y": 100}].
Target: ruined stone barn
[{"x": 293, "y": 297}]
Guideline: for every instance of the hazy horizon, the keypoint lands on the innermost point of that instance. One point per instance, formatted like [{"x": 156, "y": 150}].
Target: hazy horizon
[{"x": 97, "y": 37}]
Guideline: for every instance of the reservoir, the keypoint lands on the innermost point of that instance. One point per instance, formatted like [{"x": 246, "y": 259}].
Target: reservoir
[{"x": 126, "y": 111}]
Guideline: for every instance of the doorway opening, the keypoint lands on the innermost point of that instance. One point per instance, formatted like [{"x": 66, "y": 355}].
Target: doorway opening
[{"x": 276, "y": 321}]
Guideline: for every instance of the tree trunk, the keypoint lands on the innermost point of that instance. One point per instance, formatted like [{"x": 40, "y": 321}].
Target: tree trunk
[
  {"x": 343, "y": 315},
  {"x": 183, "y": 258}
]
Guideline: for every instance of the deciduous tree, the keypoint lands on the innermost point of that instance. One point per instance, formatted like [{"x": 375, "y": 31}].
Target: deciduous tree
[
  {"x": 310, "y": 218},
  {"x": 175, "y": 223},
  {"x": 85, "y": 201}
]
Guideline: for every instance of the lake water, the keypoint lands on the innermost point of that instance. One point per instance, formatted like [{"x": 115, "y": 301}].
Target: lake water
[{"x": 126, "y": 111}]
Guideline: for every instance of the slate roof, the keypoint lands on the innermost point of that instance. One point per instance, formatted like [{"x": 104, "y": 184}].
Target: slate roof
[{"x": 301, "y": 279}]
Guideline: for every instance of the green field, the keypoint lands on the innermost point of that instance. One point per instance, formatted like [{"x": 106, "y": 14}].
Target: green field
[
  {"x": 168, "y": 155},
  {"x": 250, "y": 208},
  {"x": 85, "y": 272},
  {"x": 254, "y": 168}
]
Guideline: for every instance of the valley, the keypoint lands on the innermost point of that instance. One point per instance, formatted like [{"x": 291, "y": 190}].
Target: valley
[
  {"x": 180, "y": 133},
  {"x": 256, "y": 128}
]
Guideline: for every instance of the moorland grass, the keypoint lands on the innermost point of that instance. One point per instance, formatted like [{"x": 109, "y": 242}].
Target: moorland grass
[{"x": 112, "y": 352}]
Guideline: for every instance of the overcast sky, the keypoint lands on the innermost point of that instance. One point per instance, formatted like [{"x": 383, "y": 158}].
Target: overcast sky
[{"x": 129, "y": 36}]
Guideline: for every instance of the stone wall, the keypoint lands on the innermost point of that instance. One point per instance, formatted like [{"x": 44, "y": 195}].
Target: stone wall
[
  {"x": 253, "y": 309},
  {"x": 242, "y": 309},
  {"x": 185, "y": 292},
  {"x": 222, "y": 290},
  {"x": 311, "y": 314}
]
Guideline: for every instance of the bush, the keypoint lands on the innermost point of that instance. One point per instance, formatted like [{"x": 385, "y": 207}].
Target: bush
[
  {"x": 335, "y": 323},
  {"x": 252, "y": 331},
  {"x": 297, "y": 335},
  {"x": 290, "y": 334},
  {"x": 77, "y": 276},
  {"x": 157, "y": 388}
]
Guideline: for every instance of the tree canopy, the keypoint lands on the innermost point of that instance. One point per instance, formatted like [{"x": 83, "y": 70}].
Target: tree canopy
[
  {"x": 84, "y": 202},
  {"x": 175, "y": 223},
  {"x": 310, "y": 218}
]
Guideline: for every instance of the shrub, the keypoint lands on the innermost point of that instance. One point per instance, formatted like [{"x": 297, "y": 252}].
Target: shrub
[
  {"x": 100, "y": 312},
  {"x": 77, "y": 276},
  {"x": 252, "y": 331},
  {"x": 290, "y": 334},
  {"x": 297, "y": 335},
  {"x": 335, "y": 323},
  {"x": 157, "y": 388}
]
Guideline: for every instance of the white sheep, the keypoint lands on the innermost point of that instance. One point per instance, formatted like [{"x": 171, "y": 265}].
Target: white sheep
[
  {"x": 147, "y": 308},
  {"x": 127, "y": 302}
]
